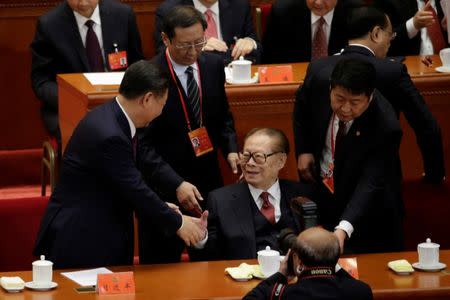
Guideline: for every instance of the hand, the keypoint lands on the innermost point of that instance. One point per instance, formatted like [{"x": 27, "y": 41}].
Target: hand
[
  {"x": 214, "y": 44},
  {"x": 423, "y": 17},
  {"x": 305, "y": 165},
  {"x": 284, "y": 264},
  {"x": 242, "y": 47},
  {"x": 187, "y": 195},
  {"x": 233, "y": 160},
  {"x": 341, "y": 235},
  {"x": 193, "y": 229},
  {"x": 174, "y": 207}
]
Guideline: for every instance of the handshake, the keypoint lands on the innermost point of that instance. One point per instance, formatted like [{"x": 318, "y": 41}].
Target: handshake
[{"x": 192, "y": 229}]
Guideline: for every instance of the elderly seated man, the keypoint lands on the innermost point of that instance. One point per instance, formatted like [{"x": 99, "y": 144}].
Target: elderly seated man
[{"x": 248, "y": 216}]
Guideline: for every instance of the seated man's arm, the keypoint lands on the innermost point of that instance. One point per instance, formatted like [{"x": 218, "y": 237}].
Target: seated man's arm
[{"x": 266, "y": 288}]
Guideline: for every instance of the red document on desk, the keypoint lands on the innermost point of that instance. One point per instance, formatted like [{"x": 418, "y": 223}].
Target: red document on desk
[
  {"x": 350, "y": 265},
  {"x": 275, "y": 74},
  {"x": 116, "y": 283}
]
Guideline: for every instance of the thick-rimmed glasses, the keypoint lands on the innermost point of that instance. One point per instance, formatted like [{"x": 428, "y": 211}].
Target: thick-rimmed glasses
[
  {"x": 258, "y": 157},
  {"x": 187, "y": 46}
]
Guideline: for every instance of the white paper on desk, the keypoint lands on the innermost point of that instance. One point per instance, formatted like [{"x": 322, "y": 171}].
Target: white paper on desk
[
  {"x": 86, "y": 277},
  {"x": 104, "y": 78},
  {"x": 445, "y": 4}
]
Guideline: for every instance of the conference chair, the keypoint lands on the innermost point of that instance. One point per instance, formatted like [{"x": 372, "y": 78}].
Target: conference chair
[{"x": 262, "y": 13}]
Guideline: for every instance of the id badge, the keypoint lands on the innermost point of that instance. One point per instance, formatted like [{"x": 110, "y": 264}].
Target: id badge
[
  {"x": 200, "y": 141},
  {"x": 328, "y": 180},
  {"x": 118, "y": 60}
]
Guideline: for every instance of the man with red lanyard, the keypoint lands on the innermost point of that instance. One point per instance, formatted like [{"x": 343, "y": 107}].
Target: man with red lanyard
[{"x": 194, "y": 124}]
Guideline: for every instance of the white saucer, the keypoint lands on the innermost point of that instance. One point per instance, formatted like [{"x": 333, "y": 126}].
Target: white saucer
[
  {"x": 251, "y": 81},
  {"x": 33, "y": 286},
  {"x": 432, "y": 268},
  {"x": 13, "y": 290},
  {"x": 443, "y": 69}
]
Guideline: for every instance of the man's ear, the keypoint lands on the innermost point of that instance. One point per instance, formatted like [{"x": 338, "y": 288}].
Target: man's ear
[
  {"x": 146, "y": 99},
  {"x": 165, "y": 39},
  {"x": 371, "y": 96},
  {"x": 375, "y": 34}
]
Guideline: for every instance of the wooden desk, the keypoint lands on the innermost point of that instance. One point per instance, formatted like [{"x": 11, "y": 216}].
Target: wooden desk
[
  {"x": 206, "y": 280},
  {"x": 271, "y": 105}
]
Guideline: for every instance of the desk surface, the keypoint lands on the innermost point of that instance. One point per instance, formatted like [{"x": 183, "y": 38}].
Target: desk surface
[{"x": 206, "y": 280}]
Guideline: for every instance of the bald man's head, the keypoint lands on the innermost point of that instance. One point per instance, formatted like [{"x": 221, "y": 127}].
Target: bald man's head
[{"x": 317, "y": 247}]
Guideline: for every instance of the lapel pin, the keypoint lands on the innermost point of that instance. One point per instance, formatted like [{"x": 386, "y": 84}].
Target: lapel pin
[{"x": 358, "y": 133}]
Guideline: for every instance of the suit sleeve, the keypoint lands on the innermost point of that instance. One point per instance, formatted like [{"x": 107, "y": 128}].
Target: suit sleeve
[
  {"x": 302, "y": 132},
  {"x": 159, "y": 17},
  {"x": 248, "y": 30},
  {"x": 272, "y": 38},
  {"x": 43, "y": 74},
  {"x": 425, "y": 126},
  {"x": 134, "y": 40},
  {"x": 117, "y": 165},
  {"x": 379, "y": 164},
  {"x": 265, "y": 288}
]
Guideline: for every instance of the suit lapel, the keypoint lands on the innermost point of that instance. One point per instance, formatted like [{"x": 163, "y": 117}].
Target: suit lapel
[
  {"x": 74, "y": 37},
  {"x": 225, "y": 15},
  {"x": 107, "y": 30},
  {"x": 307, "y": 38},
  {"x": 241, "y": 201},
  {"x": 286, "y": 197}
]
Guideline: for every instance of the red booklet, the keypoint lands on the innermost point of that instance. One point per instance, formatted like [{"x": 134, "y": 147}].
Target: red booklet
[
  {"x": 350, "y": 265},
  {"x": 273, "y": 74}
]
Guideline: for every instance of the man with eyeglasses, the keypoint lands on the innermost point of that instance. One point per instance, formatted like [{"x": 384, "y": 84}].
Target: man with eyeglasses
[
  {"x": 248, "y": 216},
  {"x": 195, "y": 123},
  {"x": 370, "y": 33},
  {"x": 230, "y": 32}
]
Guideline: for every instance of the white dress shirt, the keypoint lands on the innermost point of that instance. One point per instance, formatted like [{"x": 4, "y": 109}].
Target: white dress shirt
[
  {"x": 274, "y": 197},
  {"x": 97, "y": 27},
  {"x": 426, "y": 46},
  {"x": 215, "y": 13},
  {"x": 326, "y": 26},
  {"x": 327, "y": 158},
  {"x": 132, "y": 127},
  {"x": 180, "y": 71}
]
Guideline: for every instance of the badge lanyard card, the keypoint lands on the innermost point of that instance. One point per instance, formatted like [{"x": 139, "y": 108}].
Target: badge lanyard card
[
  {"x": 199, "y": 138},
  {"x": 328, "y": 179},
  {"x": 117, "y": 59}
]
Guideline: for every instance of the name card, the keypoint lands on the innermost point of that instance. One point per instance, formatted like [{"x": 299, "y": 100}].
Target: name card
[
  {"x": 116, "y": 283},
  {"x": 275, "y": 74}
]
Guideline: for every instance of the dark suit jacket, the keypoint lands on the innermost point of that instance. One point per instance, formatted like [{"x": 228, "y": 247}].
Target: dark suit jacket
[
  {"x": 235, "y": 21},
  {"x": 288, "y": 32},
  {"x": 57, "y": 48},
  {"x": 231, "y": 233},
  {"x": 89, "y": 219},
  {"x": 400, "y": 11},
  {"x": 394, "y": 82},
  {"x": 339, "y": 287},
  {"x": 366, "y": 174}
]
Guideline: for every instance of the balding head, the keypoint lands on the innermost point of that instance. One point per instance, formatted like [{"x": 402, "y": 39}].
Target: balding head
[{"x": 317, "y": 247}]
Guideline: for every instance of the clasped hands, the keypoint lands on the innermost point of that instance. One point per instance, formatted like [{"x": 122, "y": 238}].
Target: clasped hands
[{"x": 242, "y": 46}]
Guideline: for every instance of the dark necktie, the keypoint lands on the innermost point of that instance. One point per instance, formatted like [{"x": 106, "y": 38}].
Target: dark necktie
[
  {"x": 267, "y": 208},
  {"x": 93, "y": 51},
  {"x": 134, "y": 144},
  {"x": 194, "y": 96},
  {"x": 319, "y": 44},
  {"x": 435, "y": 32},
  {"x": 342, "y": 131}
]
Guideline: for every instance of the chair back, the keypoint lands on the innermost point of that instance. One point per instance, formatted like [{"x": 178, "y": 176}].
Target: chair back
[{"x": 262, "y": 13}]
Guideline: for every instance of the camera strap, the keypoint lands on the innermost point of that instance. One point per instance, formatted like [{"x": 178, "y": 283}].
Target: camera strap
[
  {"x": 317, "y": 272},
  {"x": 277, "y": 291}
]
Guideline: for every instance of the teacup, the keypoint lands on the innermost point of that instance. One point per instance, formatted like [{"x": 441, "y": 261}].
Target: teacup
[
  {"x": 42, "y": 272},
  {"x": 241, "y": 70},
  {"x": 428, "y": 253},
  {"x": 269, "y": 261},
  {"x": 445, "y": 57}
]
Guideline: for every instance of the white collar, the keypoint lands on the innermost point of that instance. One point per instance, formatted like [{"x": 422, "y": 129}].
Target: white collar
[
  {"x": 364, "y": 46},
  {"x": 81, "y": 20},
  {"x": 274, "y": 191},
  {"x": 328, "y": 17},
  {"x": 200, "y": 7},
  {"x": 130, "y": 122},
  {"x": 181, "y": 69}
]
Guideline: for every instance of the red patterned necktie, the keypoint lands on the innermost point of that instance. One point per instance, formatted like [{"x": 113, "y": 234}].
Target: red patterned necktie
[
  {"x": 267, "y": 208},
  {"x": 435, "y": 32},
  {"x": 319, "y": 44},
  {"x": 93, "y": 51},
  {"x": 211, "y": 30}
]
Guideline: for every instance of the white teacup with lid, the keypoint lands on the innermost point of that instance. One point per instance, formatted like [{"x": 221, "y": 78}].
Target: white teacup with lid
[
  {"x": 241, "y": 70},
  {"x": 269, "y": 261},
  {"x": 444, "y": 54},
  {"x": 42, "y": 272},
  {"x": 428, "y": 253}
]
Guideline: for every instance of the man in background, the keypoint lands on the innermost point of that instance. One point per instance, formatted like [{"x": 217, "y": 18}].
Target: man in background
[
  {"x": 230, "y": 31},
  {"x": 89, "y": 219},
  {"x": 80, "y": 36},
  {"x": 196, "y": 110},
  {"x": 304, "y": 30}
]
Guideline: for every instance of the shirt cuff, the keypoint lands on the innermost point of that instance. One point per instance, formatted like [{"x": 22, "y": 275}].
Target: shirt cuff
[
  {"x": 202, "y": 243},
  {"x": 346, "y": 226},
  {"x": 412, "y": 31}
]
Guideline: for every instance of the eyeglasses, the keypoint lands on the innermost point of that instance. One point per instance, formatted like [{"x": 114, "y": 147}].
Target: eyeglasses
[
  {"x": 188, "y": 46},
  {"x": 391, "y": 33},
  {"x": 258, "y": 157}
]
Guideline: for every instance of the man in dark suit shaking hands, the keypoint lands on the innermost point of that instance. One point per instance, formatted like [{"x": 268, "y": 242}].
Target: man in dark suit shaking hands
[
  {"x": 80, "y": 36},
  {"x": 89, "y": 219}
]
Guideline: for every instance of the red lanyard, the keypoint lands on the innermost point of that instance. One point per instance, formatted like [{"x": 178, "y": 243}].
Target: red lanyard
[
  {"x": 332, "y": 137},
  {"x": 181, "y": 94}
]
